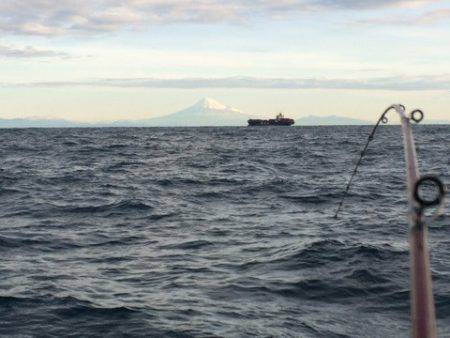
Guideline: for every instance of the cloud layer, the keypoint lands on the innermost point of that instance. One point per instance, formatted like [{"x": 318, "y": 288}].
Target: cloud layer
[
  {"x": 427, "y": 18},
  {"x": 30, "y": 52},
  {"x": 386, "y": 83},
  {"x": 52, "y": 18}
]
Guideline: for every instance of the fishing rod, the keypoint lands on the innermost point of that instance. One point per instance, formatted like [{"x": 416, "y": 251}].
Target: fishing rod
[{"x": 422, "y": 302}]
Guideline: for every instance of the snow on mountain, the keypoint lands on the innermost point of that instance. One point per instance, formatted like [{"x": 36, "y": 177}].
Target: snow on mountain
[
  {"x": 206, "y": 112},
  {"x": 208, "y": 103}
]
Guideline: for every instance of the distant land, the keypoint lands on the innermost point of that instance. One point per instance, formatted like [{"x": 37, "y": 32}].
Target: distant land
[
  {"x": 206, "y": 112},
  {"x": 39, "y": 123},
  {"x": 331, "y": 120}
]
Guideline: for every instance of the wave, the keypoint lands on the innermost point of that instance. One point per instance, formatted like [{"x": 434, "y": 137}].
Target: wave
[
  {"x": 14, "y": 242},
  {"x": 121, "y": 206},
  {"x": 210, "y": 232},
  {"x": 188, "y": 245}
]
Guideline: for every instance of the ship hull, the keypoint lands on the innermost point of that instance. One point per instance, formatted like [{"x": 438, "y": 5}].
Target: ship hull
[{"x": 271, "y": 122}]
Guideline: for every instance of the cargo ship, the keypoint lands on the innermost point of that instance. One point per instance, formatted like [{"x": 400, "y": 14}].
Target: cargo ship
[{"x": 279, "y": 120}]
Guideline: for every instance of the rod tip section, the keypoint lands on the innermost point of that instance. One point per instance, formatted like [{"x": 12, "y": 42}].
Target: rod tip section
[{"x": 399, "y": 107}]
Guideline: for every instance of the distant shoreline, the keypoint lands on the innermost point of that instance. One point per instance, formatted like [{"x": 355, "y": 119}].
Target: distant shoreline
[{"x": 171, "y": 127}]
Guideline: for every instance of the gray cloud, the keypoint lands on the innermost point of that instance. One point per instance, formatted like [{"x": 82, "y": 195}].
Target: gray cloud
[
  {"x": 50, "y": 18},
  {"x": 427, "y": 18},
  {"x": 369, "y": 4},
  {"x": 434, "y": 16},
  {"x": 30, "y": 52},
  {"x": 386, "y": 83}
]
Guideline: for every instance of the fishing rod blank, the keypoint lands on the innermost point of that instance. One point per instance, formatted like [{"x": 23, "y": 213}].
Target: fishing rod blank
[{"x": 422, "y": 303}]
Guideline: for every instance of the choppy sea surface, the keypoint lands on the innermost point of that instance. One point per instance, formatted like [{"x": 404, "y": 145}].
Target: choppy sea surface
[{"x": 212, "y": 232}]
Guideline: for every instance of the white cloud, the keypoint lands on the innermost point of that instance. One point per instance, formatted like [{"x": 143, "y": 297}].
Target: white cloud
[
  {"x": 30, "y": 52},
  {"x": 50, "y": 18},
  {"x": 441, "y": 83}
]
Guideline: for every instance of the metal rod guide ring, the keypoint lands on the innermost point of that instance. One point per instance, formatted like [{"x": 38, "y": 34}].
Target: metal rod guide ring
[
  {"x": 439, "y": 198},
  {"x": 416, "y": 115}
]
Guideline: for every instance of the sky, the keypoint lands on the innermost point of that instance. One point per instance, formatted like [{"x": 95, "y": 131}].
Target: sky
[{"x": 109, "y": 60}]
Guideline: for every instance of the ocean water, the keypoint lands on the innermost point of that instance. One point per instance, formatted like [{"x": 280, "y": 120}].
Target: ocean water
[{"x": 212, "y": 232}]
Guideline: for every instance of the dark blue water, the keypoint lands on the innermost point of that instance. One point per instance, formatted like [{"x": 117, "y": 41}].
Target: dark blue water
[{"x": 209, "y": 232}]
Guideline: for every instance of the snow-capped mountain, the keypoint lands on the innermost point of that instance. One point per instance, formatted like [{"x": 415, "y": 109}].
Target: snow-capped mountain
[{"x": 206, "y": 112}]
